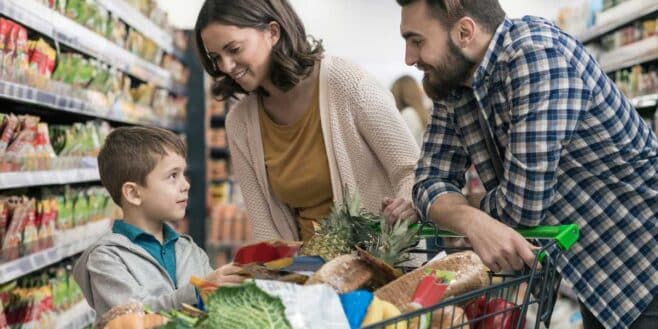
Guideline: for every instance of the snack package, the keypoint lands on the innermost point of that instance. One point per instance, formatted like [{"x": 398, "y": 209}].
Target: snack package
[
  {"x": 4, "y": 219},
  {"x": 22, "y": 60},
  {"x": 11, "y": 34},
  {"x": 10, "y": 126},
  {"x": 13, "y": 238},
  {"x": 5, "y": 29},
  {"x": 30, "y": 238}
]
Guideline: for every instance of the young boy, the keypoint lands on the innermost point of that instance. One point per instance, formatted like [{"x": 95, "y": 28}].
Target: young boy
[{"x": 144, "y": 259}]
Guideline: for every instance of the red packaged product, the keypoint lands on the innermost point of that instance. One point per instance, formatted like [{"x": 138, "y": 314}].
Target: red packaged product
[
  {"x": 13, "y": 237},
  {"x": 5, "y": 28},
  {"x": 4, "y": 214},
  {"x": 22, "y": 60},
  {"x": 10, "y": 48},
  {"x": 10, "y": 127}
]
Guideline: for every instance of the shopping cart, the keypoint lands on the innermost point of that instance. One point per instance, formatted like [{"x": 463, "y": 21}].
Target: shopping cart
[{"x": 506, "y": 301}]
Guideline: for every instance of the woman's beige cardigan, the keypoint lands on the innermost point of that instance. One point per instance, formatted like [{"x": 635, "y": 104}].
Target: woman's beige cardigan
[{"x": 369, "y": 148}]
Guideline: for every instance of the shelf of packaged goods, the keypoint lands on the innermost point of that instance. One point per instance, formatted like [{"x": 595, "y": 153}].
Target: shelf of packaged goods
[
  {"x": 179, "y": 53},
  {"x": 20, "y": 179},
  {"x": 217, "y": 121},
  {"x": 178, "y": 88},
  {"x": 645, "y": 101},
  {"x": 134, "y": 18},
  {"x": 63, "y": 249},
  {"x": 617, "y": 17},
  {"x": 633, "y": 54},
  {"x": 78, "y": 316},
  {"x": 50, "y": 23},
  {"x": 220, "y": 153},
  {"x": 30, "y": 95}
]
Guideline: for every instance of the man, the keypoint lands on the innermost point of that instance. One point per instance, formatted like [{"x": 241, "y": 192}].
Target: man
[{"x": 554, "y": 142}]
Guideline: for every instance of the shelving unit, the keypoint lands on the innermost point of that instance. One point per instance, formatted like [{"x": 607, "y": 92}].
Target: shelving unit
[
  {"x": 62, "y": 29},
  {"x": 633, "y": 54},
  {"x": 71, "y": 105},
  {"x": 638, "y": 53},
  {"x": 617, "y": 17},
  {"x": 12, "y": 180},
  {"x": 67, "y": 246},
  {"x": 57, "y": 103},
  {"x": 79, "y": 316}
]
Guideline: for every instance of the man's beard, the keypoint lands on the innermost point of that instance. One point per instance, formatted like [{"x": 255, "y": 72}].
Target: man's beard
[{"x": 441, "y": 79}]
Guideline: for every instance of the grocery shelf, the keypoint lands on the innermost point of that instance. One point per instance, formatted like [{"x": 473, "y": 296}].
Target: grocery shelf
[
  {"x": 79, "y": 316},
  {"x": 636, "y": 53},
  {"x": 645, "y": 101},
  {"x": 28, "y": 264},
  {"x": 617, "y": 17},
  {"x": 178, "y": 88},
  {"x": 217, "y": 121},
  {"x": 139, "y": 22},
  {"x": 26, "y": 94},
  {"x": 51, "y": 177},
  {"x": 219, "y": 153},
  {"x": 62, "y": 29}
]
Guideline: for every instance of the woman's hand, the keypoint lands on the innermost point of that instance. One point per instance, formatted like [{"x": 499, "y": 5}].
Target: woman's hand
[
  {"x": 395, "y": 209},
  {"x": 227, "y": 275}
]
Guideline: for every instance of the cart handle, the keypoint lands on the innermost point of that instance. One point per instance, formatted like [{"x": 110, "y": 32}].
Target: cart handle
[{"x": 564, "y": 235}]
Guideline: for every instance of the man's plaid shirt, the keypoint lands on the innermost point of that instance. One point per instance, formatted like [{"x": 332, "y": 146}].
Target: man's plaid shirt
[{"x": 574, "y": 150}]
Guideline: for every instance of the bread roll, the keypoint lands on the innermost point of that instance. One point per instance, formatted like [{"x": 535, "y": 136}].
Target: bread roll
[{"x": 344, "y": 273}]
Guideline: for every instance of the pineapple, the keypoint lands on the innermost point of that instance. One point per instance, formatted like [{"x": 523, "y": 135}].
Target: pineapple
[
  {"x": 392, "y": 244},
  {"x": 346, "y": 226},
  {"x": 349, "y": 226}
]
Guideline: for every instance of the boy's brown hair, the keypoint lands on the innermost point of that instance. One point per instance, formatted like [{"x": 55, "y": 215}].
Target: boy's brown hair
[{"x": 131, "y": 153}]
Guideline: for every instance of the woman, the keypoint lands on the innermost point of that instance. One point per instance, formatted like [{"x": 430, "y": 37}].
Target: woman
[
  {"x": 309, "y": 125},
  {"x": 409, "y": 100}
]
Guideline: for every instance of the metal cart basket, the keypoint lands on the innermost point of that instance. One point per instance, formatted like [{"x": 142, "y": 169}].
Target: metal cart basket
[{"x": 506, "y": 301}]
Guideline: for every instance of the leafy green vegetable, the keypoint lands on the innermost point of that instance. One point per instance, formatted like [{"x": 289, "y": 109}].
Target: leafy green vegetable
[{"x": 244, "y": 307}]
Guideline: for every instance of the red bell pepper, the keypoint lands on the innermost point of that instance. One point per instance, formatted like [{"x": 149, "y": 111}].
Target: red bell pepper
[
  {"x": 496, "y": 313},
  {"x": 476, "y": 309}
]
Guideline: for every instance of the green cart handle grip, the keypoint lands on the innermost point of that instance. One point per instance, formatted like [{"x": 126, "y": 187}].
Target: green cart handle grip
[{"x": 564, "y": 235}]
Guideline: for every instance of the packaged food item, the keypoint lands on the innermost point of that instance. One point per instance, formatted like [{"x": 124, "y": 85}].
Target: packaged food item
[
  {"x": 5, "y": 29},
  {"x": 4, "y": 219},
  {"x": 22, "y": 59},
  {"x": 11, "y": 35},
  {"x": 30, "y": 237},
  {"x": 11, "y": 123},
  {"x": 14, "y": 236},
  {"x": 80, "y": 209}
]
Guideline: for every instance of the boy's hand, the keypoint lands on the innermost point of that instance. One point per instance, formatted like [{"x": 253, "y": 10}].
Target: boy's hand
[{"x": 226, "y": 275}]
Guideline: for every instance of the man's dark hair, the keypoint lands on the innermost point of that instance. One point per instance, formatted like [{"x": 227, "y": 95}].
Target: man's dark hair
[{"x": 488, "y": 13}]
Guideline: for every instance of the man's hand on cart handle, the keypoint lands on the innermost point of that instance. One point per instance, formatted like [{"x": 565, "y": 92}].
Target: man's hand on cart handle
[{"x": 500, "y": 247}]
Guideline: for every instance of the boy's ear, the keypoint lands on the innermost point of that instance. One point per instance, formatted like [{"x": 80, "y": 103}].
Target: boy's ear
[{"x": 131, "y": 194}]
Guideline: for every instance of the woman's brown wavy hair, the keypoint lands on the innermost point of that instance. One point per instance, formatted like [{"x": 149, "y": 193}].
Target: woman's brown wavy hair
[{"x": 293, "y": 56}]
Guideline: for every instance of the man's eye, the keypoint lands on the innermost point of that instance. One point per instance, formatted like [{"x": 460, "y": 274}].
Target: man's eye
[
  {"x": 235, "y": 50},
  {"x": 417, "y": 43}
]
